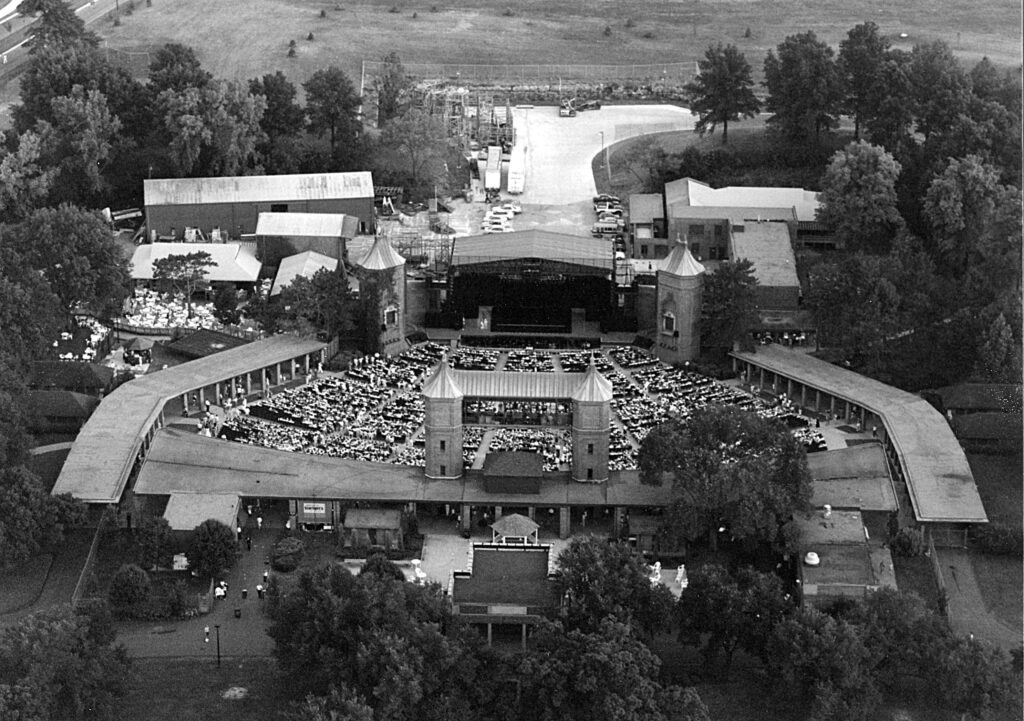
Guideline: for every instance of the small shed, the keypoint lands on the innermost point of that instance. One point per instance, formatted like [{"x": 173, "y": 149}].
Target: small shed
[
  {"x": 368, "y": 527},
  {"x": 514, "y": 528}
]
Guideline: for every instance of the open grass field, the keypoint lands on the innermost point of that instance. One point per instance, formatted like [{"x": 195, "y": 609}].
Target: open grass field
[
  {"x": 192, "y": 690},
  {"x": 999, "y": 484},
  {"x": 240, "y": 39}
]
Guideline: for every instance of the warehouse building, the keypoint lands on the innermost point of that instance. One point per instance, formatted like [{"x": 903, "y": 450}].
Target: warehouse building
[{"x": 230, "y": 207}]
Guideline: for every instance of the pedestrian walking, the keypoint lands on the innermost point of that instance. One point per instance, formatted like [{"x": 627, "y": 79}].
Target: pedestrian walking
[
  {"x": 248, "y": 542},
  {"x": 259, "y": 522},
  {"x": 266, "y": 576},
  {"x": 207, "y": 405},
  {"x": 206, "y": 630},
  {"x": 259, "y": 591},
  {"x": 239, "y": 533}
]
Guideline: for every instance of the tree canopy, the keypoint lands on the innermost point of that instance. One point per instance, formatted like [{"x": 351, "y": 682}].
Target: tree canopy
[
  {"x": 186, "y": 272},
  {"x": 213, "y": 548},
  {"x": 414, "y": 147},
  {"x": 805, "y": 89},
  {"x": 31, "y": 518},
  {"x": 332, "y": 106},
  {"x": 600, "y": 580},
  {"x": 729, "y": 303},
  {"x": 723, "y": 90},
  {"x": 861, "y": 57},
  {"x": 858, "y": 196}
]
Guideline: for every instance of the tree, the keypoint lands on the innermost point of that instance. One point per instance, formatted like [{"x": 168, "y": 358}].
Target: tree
[
  {"x": 281, "y": 123},
  {"x": 332, "y": 106},
  {"x": 80, "y": 142},
  {"x": 213, "y": 130},
  {"x": 599, "y": 579},
  {"x": 31, "y": 518},
  {"x": 805, "y": 89},
  {"x": 186, "y": 272},
  {"x": 378, "y": 563},
  {"x": 729, "y": 303},
  {"x": 971, "y": 214},
  {"x": 415, "y": 147},
  {"x": 996, "y": 358},
  {"x": 722, "y": 91},
  {"x": 154, "y": 540},
  {"x": 52, "y": 73},
  {"x": 735, "y": 611},
  {"x": 321, "y": 303},
  {"x": 24, "y": 181},
  {"x": 14, "y": 441},
  {"x": 648, "y": 162},
  {"x": 130, "y": 586},
  {"x": 213, "y": 548},
  {"x": 742, "y": 473},
  {"x": 976, "y": 678},
  {"x": 939, "y": 86},
  {"x": 825, "y": 660},
  {"x": 861, "y": 57},
  {"x": 662, "y": 452},
  {"x": 605, "y": 675},
  {"x": 58, "y": 25},
  {"x": 59, "y": 664},
  {"x": 390, "y": 85},
  {"x": 176, "y": 67},
  {"x": 31, "y": 316},
  {"x": 76, "y": 254},
  {"x": 888, "y": 106},
  {"x": 858, "y": 196},
  {"x": 225, "y": 304}
]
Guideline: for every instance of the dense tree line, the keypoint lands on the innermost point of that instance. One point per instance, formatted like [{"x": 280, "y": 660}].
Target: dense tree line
[
  {"x": 926, "y": 200},
  {"x": 373, "y": 646}
]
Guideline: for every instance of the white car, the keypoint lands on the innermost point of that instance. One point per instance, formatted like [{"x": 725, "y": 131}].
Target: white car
[
  {"x": 497, "y": 229},
  {"x": 514, "y": 205},
  {"x": 500, "y": 212},
  {"x": 495, "y": 222}
]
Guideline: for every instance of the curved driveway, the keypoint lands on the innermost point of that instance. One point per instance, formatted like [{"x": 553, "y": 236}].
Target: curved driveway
[{"x": 560, "y": 150}]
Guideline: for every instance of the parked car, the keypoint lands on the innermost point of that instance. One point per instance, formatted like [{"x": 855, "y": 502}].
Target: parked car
[
  {"x": 589, "y": 105},
  {"x": 608, "y": 210},
  {"x": 498, "y": 229},
  {"x": 514, "y": 205},
  {"x": 500, "y": 212},
  {"x": 606, "y": 198}
]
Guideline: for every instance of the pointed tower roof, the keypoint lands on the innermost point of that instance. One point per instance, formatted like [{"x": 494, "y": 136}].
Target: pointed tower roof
[
  {"x": 381, "y": 256},
  {"x": 680, "y": 261},
  {"x": 595, "y": 388},
  {"x": 442, "y": 385}
]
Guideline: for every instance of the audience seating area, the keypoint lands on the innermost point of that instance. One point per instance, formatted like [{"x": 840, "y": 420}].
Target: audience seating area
[{"x": 373, "y": 411}]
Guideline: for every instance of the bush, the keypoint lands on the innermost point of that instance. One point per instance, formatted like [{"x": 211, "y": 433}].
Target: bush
[
  {"x": 130, "y": 586},
  {"x": 998, "y": 539},
  {"x": 378, "y": 563},
  {"x": 433, "y": 8},
  {"x": 630, "y": 23},
  {"x": 291, "y": 43},
  {"x": 648, "y": 35},
  {"x": 323, "y": 13},
  {"x": 607, "y": 30},
  {"x": 394, "y": 9},
  {"x": 415, "y": 15},
  {"x": 309, "y": 37},
  {"x": 178, "y": 599},
  {"x": 908, "y": 543},
  {"x": 747, "y": 34},
  {"x": 213, "y": 548},
  {"x": 508, "y": 13},
  {"x": 287, "y": 554}
]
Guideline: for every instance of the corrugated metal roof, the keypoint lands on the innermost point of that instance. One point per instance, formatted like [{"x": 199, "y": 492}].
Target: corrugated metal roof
[
  {"x": 645, "y": 207},
  {"x": 595, "y": 388},
  {"x": 939, "y": 479},
  {"x": 304, "y": 225},
  {"x": 688, "y": 191},
  {"x": 767, "y": 246},
  {"x": 533, "y": 244},
  {"x": 258, "y": 188},
  {"x": 235, "y": 262},
  {"x": 97, "y": 467},
  {"x": 306, "y": 264},
  {"x": 381, "y": 256},
  {"x": 488, "y": 384},
  {"x": 442, "y": 385},
  {"x": 681, "y": 263}
]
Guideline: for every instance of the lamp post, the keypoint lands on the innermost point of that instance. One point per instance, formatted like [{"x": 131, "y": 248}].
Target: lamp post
[
  {"x": 217, "y": 627},
  {"x": 607, "y": 166}
]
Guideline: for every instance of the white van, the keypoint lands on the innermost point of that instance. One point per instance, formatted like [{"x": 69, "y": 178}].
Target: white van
[{"x": 605, "y": 227}]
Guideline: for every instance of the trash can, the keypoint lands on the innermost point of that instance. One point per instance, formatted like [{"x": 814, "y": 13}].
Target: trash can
[{"x": 238, "y": 613}]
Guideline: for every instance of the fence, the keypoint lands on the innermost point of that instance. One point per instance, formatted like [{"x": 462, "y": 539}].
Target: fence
[
  {"x": 90, "y": 560},
  {"x": 937, "y": 570},
  {"x": 677, "y": 72}
]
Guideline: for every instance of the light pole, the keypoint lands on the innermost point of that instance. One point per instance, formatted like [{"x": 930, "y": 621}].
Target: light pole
[
  {"x": 607, "y": 166},
  {"x": 217, "y": 627}
]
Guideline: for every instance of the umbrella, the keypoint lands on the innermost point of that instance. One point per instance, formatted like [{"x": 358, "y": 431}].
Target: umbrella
[{"x": 139, "y": 344}]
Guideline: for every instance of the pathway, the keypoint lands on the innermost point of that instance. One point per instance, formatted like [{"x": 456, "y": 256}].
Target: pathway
[
  {"x": 68, "y": 561},
  {"x": 967, "y": 611}
]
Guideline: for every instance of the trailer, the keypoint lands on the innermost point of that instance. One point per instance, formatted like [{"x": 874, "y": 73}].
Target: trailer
[
  {"x": 492, "y": 173},
  {"x": 517, "y": 169}
]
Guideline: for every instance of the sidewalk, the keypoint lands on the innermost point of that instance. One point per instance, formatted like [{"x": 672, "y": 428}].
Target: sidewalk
[{"x": 967, "y": 611}]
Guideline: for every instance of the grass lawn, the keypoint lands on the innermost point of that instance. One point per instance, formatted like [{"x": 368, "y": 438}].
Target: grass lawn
[
  {"x": 1001, "y": 579},
  {"x": 23, "y": 583},
  {"x": 915, "y": 575},
  {"x": 999, "y": 483},
  {"x": 47, "y": 466},
  {"x": 240, "y": 40},
  {"x": 191, "y": 690}
]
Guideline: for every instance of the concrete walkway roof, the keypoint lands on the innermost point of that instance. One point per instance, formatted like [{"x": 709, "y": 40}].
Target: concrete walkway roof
[
  {"x": 186, "y": 462},
  {"x": 939, "y": 479},
  {"x": 99, "y": 463}
]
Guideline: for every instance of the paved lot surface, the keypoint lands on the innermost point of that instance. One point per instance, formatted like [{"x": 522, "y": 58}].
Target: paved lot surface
[{"x": 559, "y": 151}]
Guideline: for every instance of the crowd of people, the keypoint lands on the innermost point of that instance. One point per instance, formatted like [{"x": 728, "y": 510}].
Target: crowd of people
[
  {"x": 374, "y": 411},
  {"x": 85, "y": 343}
]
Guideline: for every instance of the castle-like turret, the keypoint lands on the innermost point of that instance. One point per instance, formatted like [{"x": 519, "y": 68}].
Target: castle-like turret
[
  {"x": 679, "y": 298},
  {"x": 382, "y": 292},
  {"x": 591, "y": 422},
  {"x": 442, "y": 399}
]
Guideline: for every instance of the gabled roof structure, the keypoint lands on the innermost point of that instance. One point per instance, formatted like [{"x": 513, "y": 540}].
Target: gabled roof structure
[
  {"x": 442, "y": 385},
  {"x": 681, "y": 263},
  {"x": 305, "y": 264},
  {"x": 233, "y": 262},
  {"x": 595, "y": 388},
  {"x": 258, "y": 188}
]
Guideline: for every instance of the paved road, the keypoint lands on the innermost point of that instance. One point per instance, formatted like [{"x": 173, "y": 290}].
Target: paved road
[{"x": 560, "y": 150}]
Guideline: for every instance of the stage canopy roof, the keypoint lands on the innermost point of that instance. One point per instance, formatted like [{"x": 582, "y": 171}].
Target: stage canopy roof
[
  {"x": 540, "y": 244},
  {"x": 513, "y": 386}
]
